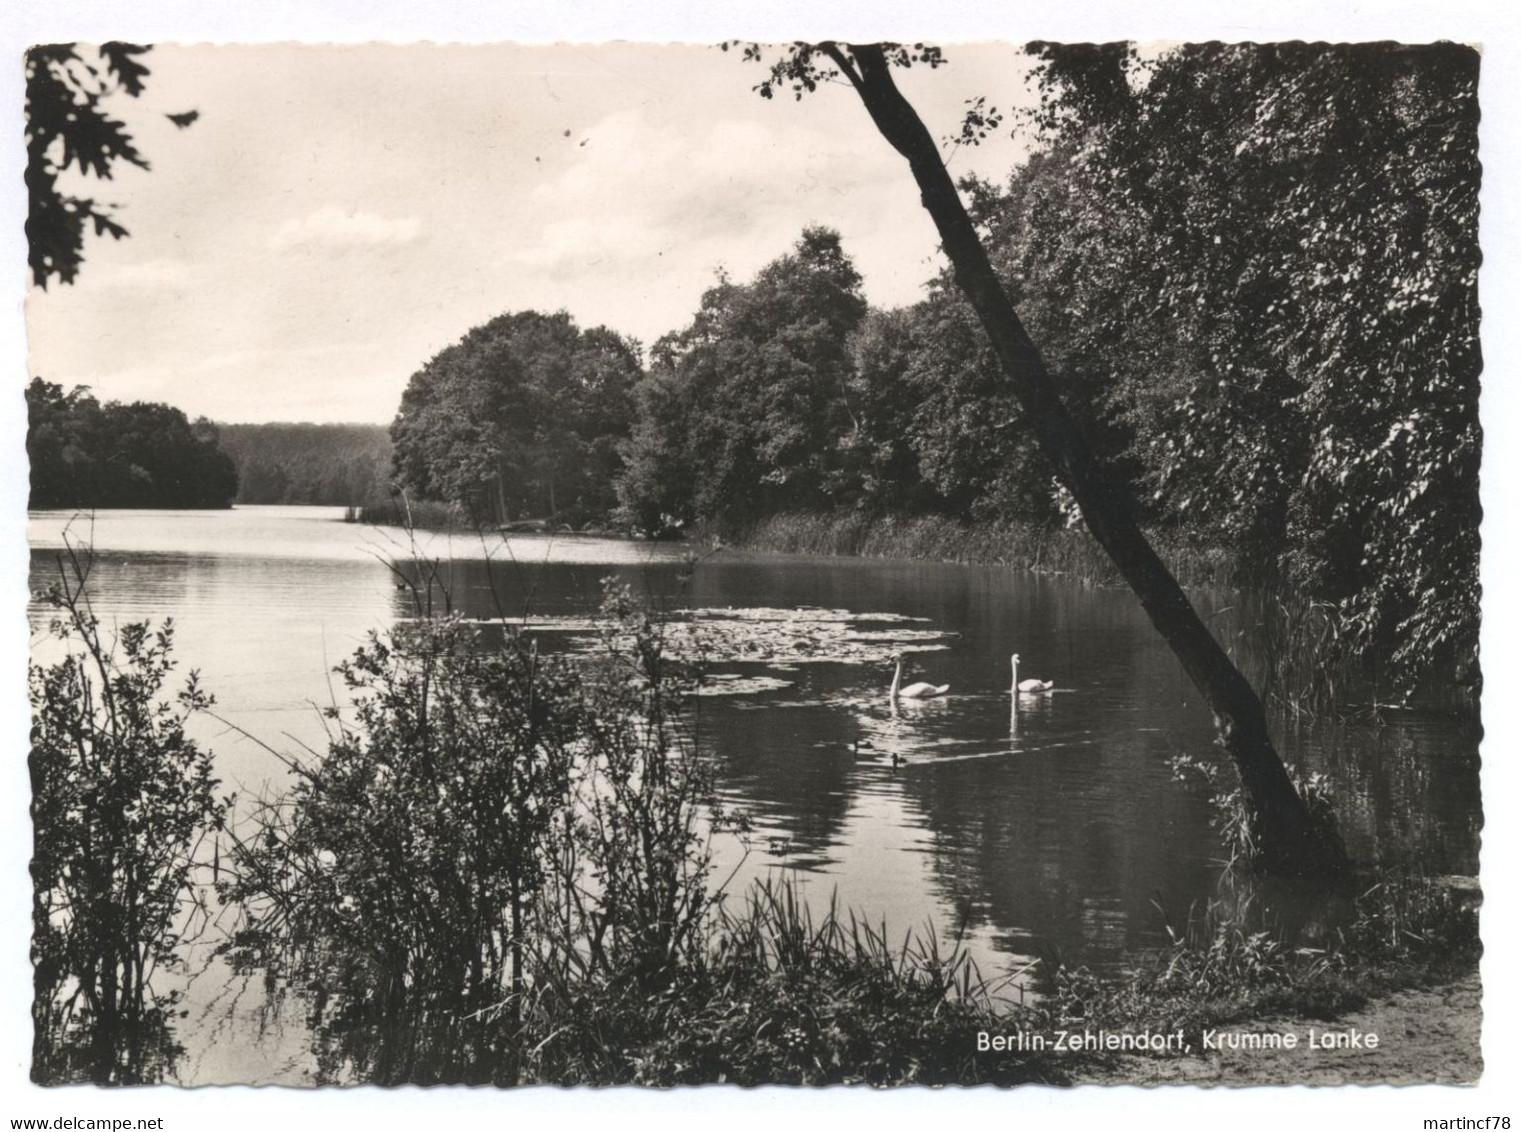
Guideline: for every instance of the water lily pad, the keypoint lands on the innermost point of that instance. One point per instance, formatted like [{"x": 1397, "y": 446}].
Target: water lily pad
[
  {"x": 780, "y": 638},
  {"x": 733, "y": 684}
]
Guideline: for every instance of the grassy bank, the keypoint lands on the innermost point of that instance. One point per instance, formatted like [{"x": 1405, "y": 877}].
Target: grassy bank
[
  {"x": 1069, "y": 552},
  {"x": 1229, "y": 965},
  {"x": 778, "y": 995},
  {"x": 783, "y": 998}
]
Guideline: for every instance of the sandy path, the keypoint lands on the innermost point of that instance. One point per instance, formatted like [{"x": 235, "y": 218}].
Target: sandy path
[{"x": 1429, "y": 1035}]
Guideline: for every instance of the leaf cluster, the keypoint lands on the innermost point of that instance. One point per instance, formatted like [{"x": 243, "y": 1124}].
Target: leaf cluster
[
  {"x": 801, "y": 68},
  {"x": 68, "y": 125}
]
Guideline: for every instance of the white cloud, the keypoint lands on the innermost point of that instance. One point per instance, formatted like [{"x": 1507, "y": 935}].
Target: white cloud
[
  {"x": 637, "y": 189},
  {"x": 334, "y": 226}
]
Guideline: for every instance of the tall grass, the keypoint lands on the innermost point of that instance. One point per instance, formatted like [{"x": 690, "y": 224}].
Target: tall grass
[
  {"x": 781, "y": 994},
  {"x": 1299, "y": 654},
  {"x": 1234, "y": 958},
  {"x": 1023, "y": 546},
  {"x": 1068, "y": 552},
  {"x": 398, "y": 511}
]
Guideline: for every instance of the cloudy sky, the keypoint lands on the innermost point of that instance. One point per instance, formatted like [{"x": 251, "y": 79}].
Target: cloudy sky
[{"x": 336, "y": 215}]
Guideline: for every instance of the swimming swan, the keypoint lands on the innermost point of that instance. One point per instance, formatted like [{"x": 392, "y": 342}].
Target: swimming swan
[
  {"x": 917, "y": 691},
  {"x": 1018, "y": 685}
]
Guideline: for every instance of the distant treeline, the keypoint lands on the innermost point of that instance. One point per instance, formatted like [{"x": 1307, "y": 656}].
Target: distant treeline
[
  {"x": 85, "y": 454},
  {"x": 1255, "y": 276},
  {"x": 340, "y": 465}
]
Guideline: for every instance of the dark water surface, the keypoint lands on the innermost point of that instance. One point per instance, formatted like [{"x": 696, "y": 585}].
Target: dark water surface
[{"x": 1054, "y": 825}]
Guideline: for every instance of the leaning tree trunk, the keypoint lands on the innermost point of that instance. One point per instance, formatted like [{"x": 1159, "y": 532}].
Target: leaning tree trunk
[{"x": 1289, "y": 841}]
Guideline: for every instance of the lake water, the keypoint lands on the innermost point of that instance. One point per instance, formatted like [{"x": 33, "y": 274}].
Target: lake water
[{"x": 1050, "y": 827}]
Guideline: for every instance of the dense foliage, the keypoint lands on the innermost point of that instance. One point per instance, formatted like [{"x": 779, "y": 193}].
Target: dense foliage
[
  {"x": 84, "y": 454},
  {"x": 1256, "y": 269},
  {"x": 943, "y": 428},
  {"x": 396, "y": 877},
  {"x": 744, "y": 411},
  {"x": 338, "y": 465},
  {"x": 521, "y": 417},
  {"x": 122, "y": 801}
]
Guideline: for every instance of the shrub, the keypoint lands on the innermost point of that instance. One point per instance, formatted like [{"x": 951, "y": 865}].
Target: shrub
[
  {"x": 122, "y": 803},
  {"x": 494, "y": 828}
]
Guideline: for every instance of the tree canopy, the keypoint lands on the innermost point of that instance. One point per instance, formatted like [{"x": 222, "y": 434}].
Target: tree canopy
[
  {"x": 1255, "y": 268},
  {"x": 941, "y": 431},
  {"x": 144, "y": 454},
  {"x": 743, "y": 410},
  {"x": 522, "y": 416}
]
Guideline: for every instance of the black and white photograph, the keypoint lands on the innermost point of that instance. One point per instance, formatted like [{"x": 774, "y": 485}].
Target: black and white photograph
[{"x": 748, "y": 559}]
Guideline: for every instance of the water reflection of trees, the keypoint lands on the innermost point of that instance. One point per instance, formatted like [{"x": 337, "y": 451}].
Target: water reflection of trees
[
  {"x": 802, "y": 781},
  {"x": 1071, "y": 845},
  {"x": 1406, "y": 789},
  {"x": 131, "y": 1048}
]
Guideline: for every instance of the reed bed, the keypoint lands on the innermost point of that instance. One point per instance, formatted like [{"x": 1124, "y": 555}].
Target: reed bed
[
  {"x": 412, "y": 514},
  {"x": 1024, "y": 546},
  {"x": 781, "y": 994},
  {"x": 786, "y": 994},
  {"x": 1040, "y": 549}
]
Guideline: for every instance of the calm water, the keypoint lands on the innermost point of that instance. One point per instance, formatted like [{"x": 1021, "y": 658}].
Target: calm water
[{"x": 1054, "y": 828}]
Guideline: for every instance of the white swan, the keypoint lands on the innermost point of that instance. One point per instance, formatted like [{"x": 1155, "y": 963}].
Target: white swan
[
  {"x": 1017, "y": 685},
  {"x": 917, "y": 691}
]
